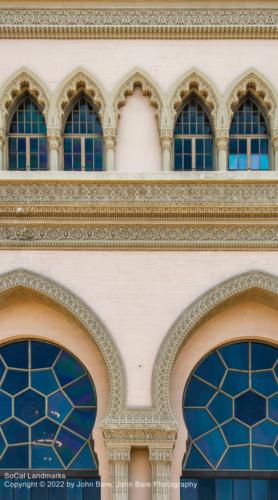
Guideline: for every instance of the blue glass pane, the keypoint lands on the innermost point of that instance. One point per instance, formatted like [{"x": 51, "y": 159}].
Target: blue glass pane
[
  {"x": 235, "y": 383},
  {"x": 241, "y": 489},
  {"x": 264, "y": 162},
  {"x": 29, "y": 406},
  {"x": 2, "y": 369},
  {"x": 236, "y": 433},
  {"x": 263, "y": 356},
  {"x": 81, "y": 420},
  {"x": 265, "y": 433},
  {"x": 259, "y": 489},
  {"x": 15, "y": 432},
  {"x": 273, "y": 489},
  {"x": 84, "y": 460},
  {"x": 15, "y": 354},
  {"x": 67, "y": 368},
  {"x": 207, "y": 489},
  {"x": 211, "y": 369},
  {"x": 5, "y": 406},
  {"x": 255, "y": 162},
  {"x": 264, "y": 458},
  {"x": 44, "y": 432},
  {"x": 236, "y": 355},
  {"x": 198, "y": 422},
  {"x": 196, "y": 460},
  {"x": 236, "y": 459},
  {"x": 221, "y": 407},
  {"x": 58, "y": 406},
  {"x": 15, "y": 457},
  {"x": 198, "y": 393},
  {"x": 212, "y": 445},
  {"x": 15, "y": 381},
  {"x": 81, "y": 392},
  {"x": 242, "y": 162},
  {"x": 44, "y": 457},
  {"x": 250, "y": 408},
  {"x": 223, "y": 489},
  {"x": 264, "y": 382},
  {"x": 43, "y": 354},
  {"x": 44, "y": 381},
  {"x": 273, "y": 408},
  {"x": 233, "y": 163},
  {"x": 67, "y": 445},
  {"x": 178, "y": 145}
]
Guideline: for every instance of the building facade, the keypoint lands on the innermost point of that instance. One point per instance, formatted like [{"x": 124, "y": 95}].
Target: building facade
[{"x": 138, "y": 235}]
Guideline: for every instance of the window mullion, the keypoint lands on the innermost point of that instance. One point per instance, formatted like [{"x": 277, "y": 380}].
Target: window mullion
[
  {"x": 27, "y": 153},
  {"x": 82, "y": 153},
  {"x": 193, "y": 153},
  {"x": 248, "y": 153}
]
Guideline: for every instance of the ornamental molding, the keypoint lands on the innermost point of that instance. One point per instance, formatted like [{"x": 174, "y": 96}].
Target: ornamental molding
[
  {"x": 165, "y": 23},
  {"x": 251, "y": 82},
  {"x": 87, "y": 318},
  {"x": 24, "y": 81},
  {"x": 190, "y": 83},
  {"x": 135, "y": 79},
  {"x": 78, "y": 82},
  {"x": 192, "y": 317}
]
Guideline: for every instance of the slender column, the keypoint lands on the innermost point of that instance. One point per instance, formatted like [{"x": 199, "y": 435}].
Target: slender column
[
  {"x": 166, "y": 139},
  {"x": 109, "y": 137},
  {"x": 119, "y": 458},
  {"x": 160, "y": 459},
  {"x": 54, "y": 140},
  {"x": 1, "y": 150},
  {"x": 222, "y": 140},
  {"x": 275, "y": 148}
]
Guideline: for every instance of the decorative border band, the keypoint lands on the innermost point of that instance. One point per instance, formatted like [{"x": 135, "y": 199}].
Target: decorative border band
[{"x": 138, "y": 23}]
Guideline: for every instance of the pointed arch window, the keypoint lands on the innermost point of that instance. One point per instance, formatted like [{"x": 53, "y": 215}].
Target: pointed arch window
[
  {"x": 27, "y": 137},
  {"x": 193, "y": 138},
  {"x": 83, "y": 138},
  {"x": 249, "y": 140}
]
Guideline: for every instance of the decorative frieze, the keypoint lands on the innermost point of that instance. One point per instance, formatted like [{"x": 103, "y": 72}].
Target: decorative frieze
[{"x": 138, "y": 23}]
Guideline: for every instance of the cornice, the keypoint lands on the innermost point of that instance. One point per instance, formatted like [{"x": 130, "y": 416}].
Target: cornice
[
  {"x": 178, "y": 23},
  {"x": 139, "y": 215}
]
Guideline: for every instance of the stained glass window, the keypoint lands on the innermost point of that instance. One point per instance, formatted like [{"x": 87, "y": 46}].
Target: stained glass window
[
  {"x": 193, "y": 140},
  {"x": 230, "y": 409},
  {"x": 27, "y": 138},
  {"x": 47, "y": 408},
  {"x": 83, "y": 141},
  {"x": 249, "y": 144}
]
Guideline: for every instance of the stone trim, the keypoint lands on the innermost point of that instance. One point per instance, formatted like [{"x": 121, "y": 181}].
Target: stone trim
[
  {"x": 140, "y": 214},
  {"x": 166, "y": 23},
  {"x": 189, "y": 320},
  {"x": 99, "y": 333}
]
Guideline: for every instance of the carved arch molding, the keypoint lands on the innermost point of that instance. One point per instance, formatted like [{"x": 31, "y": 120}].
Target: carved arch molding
[
  {"x": 156, "y": 424},
  {"x": 167, "y": 105}
]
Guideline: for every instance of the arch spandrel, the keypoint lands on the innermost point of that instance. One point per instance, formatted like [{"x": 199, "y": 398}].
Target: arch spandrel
[
  {"x": 87, "y": 318},
  {"x": 23, "y": 81},
  {"x": 253, "y": 83},
  {"x": 193, "y": 82},
  {"x": 256, "y": 284},
  {"x": 79, "y": 81}
]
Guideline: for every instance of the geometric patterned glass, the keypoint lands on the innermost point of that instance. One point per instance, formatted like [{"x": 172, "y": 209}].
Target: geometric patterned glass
[
  {"x": 27, "y": 138},
  {"x": 47, "y": 408},
  {"x": 83, "y": 141},
  {"x": 248, "y": 144},
  {"x": 230, "y": 407},
  {"x": 193, "y": 140}
]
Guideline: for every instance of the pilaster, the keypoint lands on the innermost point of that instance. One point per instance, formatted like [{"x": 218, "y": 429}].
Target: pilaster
[
  {"x": 54, "y": 141},
  {"x": 274, "y": 140},
  {"x": 166, "y": 139},
  {"x": 160, "y": 459},
  {"x": 109, "y": 137},
  {"x": 119, "y": 458}
]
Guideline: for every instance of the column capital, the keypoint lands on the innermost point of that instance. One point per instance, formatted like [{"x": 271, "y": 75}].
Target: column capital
[
  {"x": 222, "y": 139},
  {"x": 274, "y": 139},
  {"x": 2, "y": 138},
  {"x": 166, "y": 139},
  {"x": 160, "y": 454},
  {"x": 118, "y": 453},
  {"x": 54, "y": 137},
  {"x": 109, "y": 137}
]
